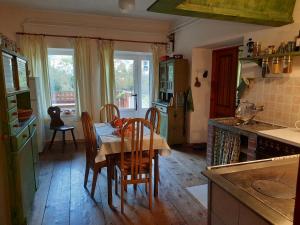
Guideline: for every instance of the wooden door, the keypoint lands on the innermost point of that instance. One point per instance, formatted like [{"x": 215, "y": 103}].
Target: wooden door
[{"x": 223, "y": 84}]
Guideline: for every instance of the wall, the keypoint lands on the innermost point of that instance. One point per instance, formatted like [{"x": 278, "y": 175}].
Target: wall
[
  {"x": 199, "y": 118},
  {"x": 280, "y": 96},
  {"x": 214, "y": 34},
  {"x": 15, "y": 19}
]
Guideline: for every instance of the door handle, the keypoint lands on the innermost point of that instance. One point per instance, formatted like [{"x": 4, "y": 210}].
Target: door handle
[{"x": 135, "y": 98}]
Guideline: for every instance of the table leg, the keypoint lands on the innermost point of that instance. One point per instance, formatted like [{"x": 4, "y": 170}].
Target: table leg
[
  {"x": 156, "y": 175},
  {"x": 109, "y": 180}
]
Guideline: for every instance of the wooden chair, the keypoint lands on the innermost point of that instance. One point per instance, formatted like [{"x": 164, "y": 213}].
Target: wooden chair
[
  {"x": 94, "y": 159},
  {"x": 108, "y": 112},
  {"x": 135, "y": 166},
  {"x": 57, "y": 124},
  {"x": 153, "y": 115}
]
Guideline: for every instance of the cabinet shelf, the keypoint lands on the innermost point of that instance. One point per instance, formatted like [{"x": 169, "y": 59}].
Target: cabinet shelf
[{"x": 259, "y": 58}]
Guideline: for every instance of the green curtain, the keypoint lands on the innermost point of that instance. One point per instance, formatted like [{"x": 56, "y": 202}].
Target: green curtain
[{"x": 226, "y": 147}]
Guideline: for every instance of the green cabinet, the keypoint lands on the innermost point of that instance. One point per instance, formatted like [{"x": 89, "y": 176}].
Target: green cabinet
[
  {"x": 164, "y": 125},
  {"x": 35, "y": 156},
  {"x": 23, "y": 167},
  {"x": 173, "y": 80},
  {"x": 21, "y": 154}
]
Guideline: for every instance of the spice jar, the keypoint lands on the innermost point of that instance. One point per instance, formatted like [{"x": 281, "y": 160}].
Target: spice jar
[
  {"x": 287, "y": 64},
  {"x": 256, "y": 49},
  {"x": 271, "y": 49},
  {"x": 276, "y": 65},
  {"x": 265, "y": 69}
]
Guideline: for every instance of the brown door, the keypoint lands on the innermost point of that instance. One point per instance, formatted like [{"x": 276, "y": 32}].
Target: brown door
[{"x": 223, "y": 84}]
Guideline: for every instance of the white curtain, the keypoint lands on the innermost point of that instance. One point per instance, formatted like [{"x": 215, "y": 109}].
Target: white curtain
[
  {"x": 82, "y": 61},
  {"x": 35, "y": 49},
  {"x": 157, "y": 52},
  {"x": 107, "y": 71}
]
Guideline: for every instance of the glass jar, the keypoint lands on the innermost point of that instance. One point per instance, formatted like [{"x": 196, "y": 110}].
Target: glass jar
[
  {"x": 265, "y": 69},
  {"x": 276, "y": 68},
  {"x": 256, "y": 49},
  {"x": 287, "y": 64}
]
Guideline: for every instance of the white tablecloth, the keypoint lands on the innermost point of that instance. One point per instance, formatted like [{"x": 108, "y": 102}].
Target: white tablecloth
[{"x": 110, "y": 144}]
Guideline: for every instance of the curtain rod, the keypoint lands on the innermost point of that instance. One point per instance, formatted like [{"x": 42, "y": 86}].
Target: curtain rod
[{"x": 96, "y": 38}]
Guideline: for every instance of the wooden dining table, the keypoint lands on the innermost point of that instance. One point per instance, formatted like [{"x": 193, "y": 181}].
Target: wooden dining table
[{"x": 110, "y": 146}]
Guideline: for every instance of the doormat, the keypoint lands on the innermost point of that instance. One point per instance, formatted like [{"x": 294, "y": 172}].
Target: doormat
[{"x": 200, "y": 193}]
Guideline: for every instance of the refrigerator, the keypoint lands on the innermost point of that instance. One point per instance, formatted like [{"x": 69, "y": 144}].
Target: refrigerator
[{"x": 36, "y": 105}]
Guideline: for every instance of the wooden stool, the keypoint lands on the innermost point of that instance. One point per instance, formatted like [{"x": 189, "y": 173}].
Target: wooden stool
[{"x": 57, "y": 124}]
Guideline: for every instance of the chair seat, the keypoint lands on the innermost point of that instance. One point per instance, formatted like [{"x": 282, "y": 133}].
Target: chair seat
[
  {"x": 127, "y": 166},
  {"x": 100, "y": 157},
  {"x": 63, "y": 128}
]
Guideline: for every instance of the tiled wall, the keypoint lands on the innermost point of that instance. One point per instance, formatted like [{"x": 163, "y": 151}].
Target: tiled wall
[{"x": 280, "y": 97}]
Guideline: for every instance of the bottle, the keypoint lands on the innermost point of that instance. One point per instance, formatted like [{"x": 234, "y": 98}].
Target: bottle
[{"x": 297, "y": 46}]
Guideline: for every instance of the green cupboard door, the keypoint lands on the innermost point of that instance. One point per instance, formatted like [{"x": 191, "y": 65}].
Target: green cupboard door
[
  {"x": 164, "y": 125},
  {"x": 35, "y": 156},
  {"x": 24, "y": 178}
]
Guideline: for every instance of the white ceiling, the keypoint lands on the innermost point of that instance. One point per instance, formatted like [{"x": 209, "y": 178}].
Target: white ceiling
[{"x": 102, "y": 7}]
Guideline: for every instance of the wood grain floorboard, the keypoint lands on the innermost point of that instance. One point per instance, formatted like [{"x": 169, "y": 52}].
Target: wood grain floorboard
[
  {"x": 62, "y": 199},
  {"x": 58, "y": 203}
]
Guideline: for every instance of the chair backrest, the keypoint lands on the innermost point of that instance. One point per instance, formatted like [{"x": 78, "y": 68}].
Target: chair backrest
[
  {"x": 141, "y": 154},
  {"x": 153, "y": 116},
  {"x": 89, "y": 136},
  {"x": 108, "y": 112},
  {"x": 54, "y": 113}
]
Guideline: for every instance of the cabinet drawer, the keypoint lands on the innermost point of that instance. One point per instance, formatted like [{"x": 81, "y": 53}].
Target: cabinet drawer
[
  {"x": 20, "y": 139},
  {"x": 14, "y": 127},
  {"x": 32, "y": 126},
  {"x": 11, "y": 102},
  {"x": 12, "y": 114}
]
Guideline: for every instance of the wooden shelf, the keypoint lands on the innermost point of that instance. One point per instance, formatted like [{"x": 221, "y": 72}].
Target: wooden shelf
[{"x": 258, "y": 58}]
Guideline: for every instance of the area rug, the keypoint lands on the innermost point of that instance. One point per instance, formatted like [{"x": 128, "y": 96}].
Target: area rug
[{"x": 200, "y": 193}]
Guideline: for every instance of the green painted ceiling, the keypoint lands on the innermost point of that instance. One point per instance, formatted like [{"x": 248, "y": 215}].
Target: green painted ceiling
[{"x": 264, "y": 12}]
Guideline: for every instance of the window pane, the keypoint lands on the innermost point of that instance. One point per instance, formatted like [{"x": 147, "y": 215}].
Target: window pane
[
  {"x": 145, "y": 83},
  {"x": 62, "y": 81},
  {"x": 124, "y": 79}
]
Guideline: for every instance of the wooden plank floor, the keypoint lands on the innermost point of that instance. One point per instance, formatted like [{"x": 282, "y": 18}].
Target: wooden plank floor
[{"x": 62, "y": 200}]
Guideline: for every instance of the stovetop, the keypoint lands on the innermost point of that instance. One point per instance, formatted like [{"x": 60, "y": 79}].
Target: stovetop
[{"x": 274, "y": 186}]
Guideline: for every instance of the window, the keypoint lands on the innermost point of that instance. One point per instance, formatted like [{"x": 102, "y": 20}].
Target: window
[
  {"x": 62, "y": 79},
  {"x": 133, "y": 82}
]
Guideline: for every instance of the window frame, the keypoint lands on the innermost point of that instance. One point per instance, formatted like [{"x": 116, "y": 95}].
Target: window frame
[{"x": 68, "y": 52}]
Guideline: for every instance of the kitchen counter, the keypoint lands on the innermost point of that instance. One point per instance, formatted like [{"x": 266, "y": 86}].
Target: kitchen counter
[
  {"x": 286, "y": 135},
  {"x": 265, "y": 187},
  {"x": 235, "y": 125}
]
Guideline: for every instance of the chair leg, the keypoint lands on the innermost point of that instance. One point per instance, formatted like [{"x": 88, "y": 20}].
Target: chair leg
[
  {"x": 122, "y": 196},
  {"x": 125, "y": 187},
  {"x": 74, "y": 140},
  {"x": 150, "y": 193},
  {"x": 116, "y": 182},
  {"x": 64, "y": 139},
  {"x": 95, "y": 176},
  {"x": 52, "y": 140},
  {"x": 86, "y": 175}
]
